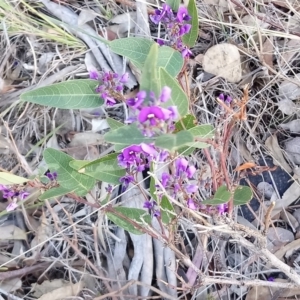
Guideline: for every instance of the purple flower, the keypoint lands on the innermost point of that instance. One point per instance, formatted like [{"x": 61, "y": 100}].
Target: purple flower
[
  {"x": 156, "y": 213},
  {"x": 51, "y": 176},
  {"x": 109, "y": 101},
  {"x": 165, "y": 178},
  {"x": 174, "y": 112},
  {"x": 182, "y": 14},
  {"x": 184, "y": 29},
  {"x": 137, "y": 101},
  {"x": 190, "y": 171},
  {"x": 226, "y": 98},
  {"x": 159, "y": 15},
  {"x": 126, "y": 180},
  {"x": 148, "y": 149},
  {"x": 271, "y": 279},
  {"x": 191, "y": 204},
  {"x": 165, "y": 94},
  {"x": 23, "y": 195},
  {"x": 153, "y": 114},
  {"x": 11, "y": 206},
  {"x": 186, "y": 52},
  {"x": 130, "y": 154},
  {"x": 94, "y": 75},
  {"x": 191, "y": 188},
  {"x": 124, "y": 78},
  {"x": 181, "y": 165},
  {"x": 148, "y": 204},
  {"x": 222, "y": 208}
]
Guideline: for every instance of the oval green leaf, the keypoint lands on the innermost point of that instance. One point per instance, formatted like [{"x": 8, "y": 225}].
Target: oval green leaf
[
  {"x": 133, "y": 214},
  {"x": 242, "y": 195},
  {"x": 73, "y": 94},
  {"x": 9, "y": 179},
  {"x": 221, "y": 196},
  {"x": 67, "y": 177},
  {"x": 190, "y": 38}
]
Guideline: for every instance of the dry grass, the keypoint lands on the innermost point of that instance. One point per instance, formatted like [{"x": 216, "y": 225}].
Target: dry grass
[{"x": 74, "y": 242}]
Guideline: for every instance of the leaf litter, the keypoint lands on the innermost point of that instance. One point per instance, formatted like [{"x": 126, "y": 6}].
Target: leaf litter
[{"x": 241, "y": 41}]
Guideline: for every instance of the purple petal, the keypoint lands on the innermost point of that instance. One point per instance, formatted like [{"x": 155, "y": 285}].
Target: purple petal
[
  {"x": 165, "y": 177},
  {"x": 165, "y": 94},
  {"x": 184, "y": 29},
  {"x": 182, "y": 14},
  {"x": 148, "y": 204},
  {"x": 174, "y": 112},
  {"x": 149, "y": 149},
  {"x": 190, "y": 171},
  {"x": 11, "y": 206},
  {"x": 124, "y": 78},
  {"x": 156, "y": 213},
  {"x": 3, "y": 187},
  {"x": 191, "y": 188},
  {"x": 160, "y": 42},
  {"x": 109, "y": 101},
  {"x": 23, "y": 195},
  {"x": 181, "y": 165},
  {"x": 151, "y": 112},
  {"x": 94, "y": 75},
  {"x": 191, "y": 204}
]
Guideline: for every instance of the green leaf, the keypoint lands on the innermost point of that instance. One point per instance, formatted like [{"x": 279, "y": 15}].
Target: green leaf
[
  {"x": 174, "y": 141},
  {"x": 170, "y": 59},
  {"x": 113, "y": 124},
  {"x": 202, "y": 131},
  {"x": 221, "y": 196},
  {"x": 178, "y": 96},
  {"x": 149, "y": 79},
  {"x": 67, "y": 177},
  {"x": 186, "y": 150},
  {"x": 126, "y": 136},
  {"x": 136, "y": 49},
  {"x": 55, "y": 192},
  {"x": 190, "y": 38},
  {"x": 174, "y": 4},
  {"x": 106, "y": 170},
  {"x": 167, "y": 210},
  {"x": 73, "y": 94},
  {"x": 133, "y": 214},
  {"x": 8, "y": 179},
  {"x": 242, "y": 195},
  {"x": 186, "y": 123}
]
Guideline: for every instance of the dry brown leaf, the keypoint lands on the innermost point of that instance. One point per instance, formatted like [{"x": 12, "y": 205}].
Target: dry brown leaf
[
  {"x": 47, "y": 286},
  {"x": 289, "y": 219},
  {"x": 11, "y": 285},
  {"x": 293, "y": 126},
  {"x": 279, "y": 236},
  {"x": 86, "y": 15},
  {"x": 290, "y": 195},
  {"x": 292, "y": 148},
  {"x": 267, "y": 293},
  {"x": 253, "y": 23},
  {"x": 268, "y": 51},
  {"x": 223, "y": 60},
  {"x": 276, "y": 152},
  {"x": 85, "y": 138},
  {"x": 292, "y": 48},
  {"x": 289, "y": 90},
  {"x": 221, "y": 5},
  {"x": 42, "y": 234},
  {"x": 12, "y": 232},
  {"x": 67, "y": 290}
]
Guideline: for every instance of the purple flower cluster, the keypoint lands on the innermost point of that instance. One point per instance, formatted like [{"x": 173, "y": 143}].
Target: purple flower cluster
[
  {"x": 153, "y": 118},
  {"x": 111, "y": 87},
  {"x": 136, "y": 158},
  {"x": 179, "y": 181},
  {"x": 152, "y": 208},
  {"x": 175, "y": 25},
  {"x": 10, "y": 192},
  {"x": 225, "y": 98},
  {"x": 52, "y": 176}
]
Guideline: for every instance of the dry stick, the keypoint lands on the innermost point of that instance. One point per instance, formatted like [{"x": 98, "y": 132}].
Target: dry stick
[
  {"x": 263, "y": 19},
  {"x": 79, "y": 253},
  {"x": 212, "y": 168},
  {"x": 268, "y": 217}
]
